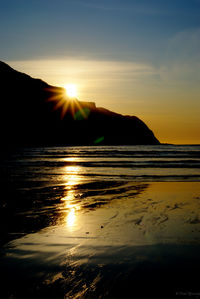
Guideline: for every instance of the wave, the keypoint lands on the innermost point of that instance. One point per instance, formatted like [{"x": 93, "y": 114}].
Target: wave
[{"x": 163, "y": 162}]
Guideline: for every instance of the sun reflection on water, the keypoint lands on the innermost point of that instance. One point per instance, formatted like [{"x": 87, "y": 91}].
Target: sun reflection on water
[
  {"x": 72, "y": 176},
  {"x": 72, "y": 206},
  {"x": 70, "y": 219}
]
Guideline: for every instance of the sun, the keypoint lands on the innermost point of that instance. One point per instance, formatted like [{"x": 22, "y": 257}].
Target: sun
[{"x": 71, "y": 90}]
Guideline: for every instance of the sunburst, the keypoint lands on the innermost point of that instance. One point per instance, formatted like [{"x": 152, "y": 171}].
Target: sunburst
[{"x": 63, "y": 102}]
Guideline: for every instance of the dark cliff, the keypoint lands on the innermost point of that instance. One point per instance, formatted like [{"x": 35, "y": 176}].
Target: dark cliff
[{"x": 35, "y": 113}]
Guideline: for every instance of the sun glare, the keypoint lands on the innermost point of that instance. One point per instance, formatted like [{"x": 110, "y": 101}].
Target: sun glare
[{"x": 71, "y": 90}]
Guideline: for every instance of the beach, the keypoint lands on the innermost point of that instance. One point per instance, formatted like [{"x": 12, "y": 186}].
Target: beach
[{"x": 72, "y": 230}]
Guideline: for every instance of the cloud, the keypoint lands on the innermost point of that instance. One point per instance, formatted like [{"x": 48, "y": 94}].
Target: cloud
[
  {"x": 55, "y": 71},
  {"x": 101, "y": 81}
]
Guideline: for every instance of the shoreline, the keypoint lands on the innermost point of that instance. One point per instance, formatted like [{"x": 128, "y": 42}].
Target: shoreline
[{"x": 146, "y": 233}]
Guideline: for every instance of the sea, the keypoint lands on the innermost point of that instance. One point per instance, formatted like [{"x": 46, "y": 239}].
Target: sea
[{"x": 100, "y": 222}]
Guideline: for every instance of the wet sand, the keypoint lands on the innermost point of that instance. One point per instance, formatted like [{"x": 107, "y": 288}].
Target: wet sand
[{"x": 105, "y": 240}]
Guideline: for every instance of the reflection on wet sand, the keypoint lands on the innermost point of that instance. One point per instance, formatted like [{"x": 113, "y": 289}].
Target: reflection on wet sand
[
  {"x": 71, "y": 209},
  {"x": 71, "y": 206},
  {"x": 106, "y": 239},
  {"x": 93, "y": 222}
]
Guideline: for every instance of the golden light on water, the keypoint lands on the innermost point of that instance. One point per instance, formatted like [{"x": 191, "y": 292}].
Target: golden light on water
[
  {"x": 70, "y": 219},
  {"x": 72, "y": 175},
  {"x": 71, "y": 90},
  {"x": 72, "y": 205},
  {"x": 72, "y": 169}
]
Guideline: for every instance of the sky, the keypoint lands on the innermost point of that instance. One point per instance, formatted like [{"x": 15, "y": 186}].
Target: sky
[{"x": 136, "y": 57}]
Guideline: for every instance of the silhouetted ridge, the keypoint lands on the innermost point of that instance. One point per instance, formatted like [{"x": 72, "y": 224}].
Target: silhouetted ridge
[{"x": 35, "y": 113}]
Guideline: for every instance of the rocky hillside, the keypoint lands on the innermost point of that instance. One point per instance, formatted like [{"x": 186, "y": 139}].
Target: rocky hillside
[{"x": 35, "y": 113}]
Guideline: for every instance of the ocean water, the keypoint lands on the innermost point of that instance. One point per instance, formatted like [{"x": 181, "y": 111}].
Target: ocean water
[
  {"x": 100, "y": 222},
  {"x": 102, "y": 163}
]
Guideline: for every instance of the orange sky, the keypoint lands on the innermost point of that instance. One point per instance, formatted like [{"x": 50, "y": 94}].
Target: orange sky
[{"x": 169, "y": 108}]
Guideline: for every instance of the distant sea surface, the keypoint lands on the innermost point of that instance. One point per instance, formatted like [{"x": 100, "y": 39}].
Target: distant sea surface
[
  {"x": 102, "y": 163},
  {"x": 100, "y": 222}
]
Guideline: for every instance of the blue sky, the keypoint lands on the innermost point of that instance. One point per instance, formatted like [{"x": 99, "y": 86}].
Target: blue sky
[
  {"x": 136, "y": 56},
  {"x": 113, "y": 29}
]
